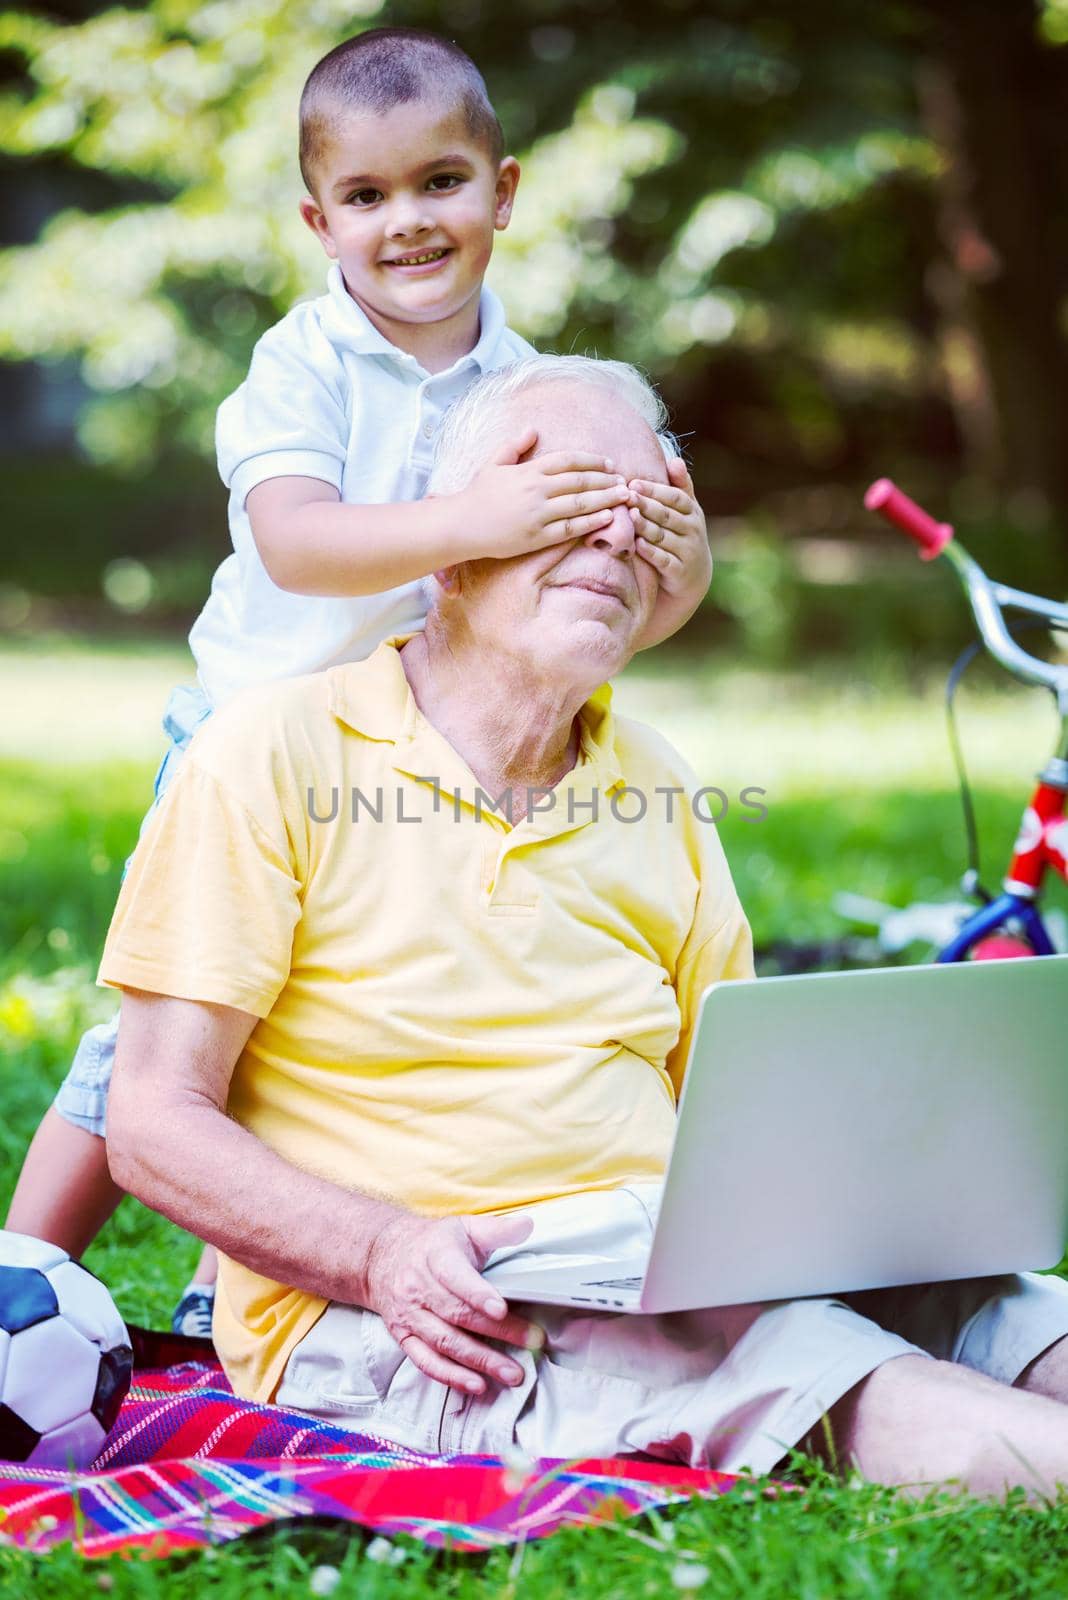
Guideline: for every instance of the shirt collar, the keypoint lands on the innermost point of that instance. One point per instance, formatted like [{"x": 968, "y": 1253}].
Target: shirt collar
[
  {"x": 372, "y": 698},
  {"x": 352, "y": 329}
]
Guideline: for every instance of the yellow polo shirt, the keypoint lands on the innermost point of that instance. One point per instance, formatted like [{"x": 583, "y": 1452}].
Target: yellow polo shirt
[{"x": 455, "y": 1014}]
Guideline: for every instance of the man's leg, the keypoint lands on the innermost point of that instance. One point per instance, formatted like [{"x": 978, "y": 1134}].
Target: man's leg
[
  {"x": 1048, "y": 1374},
  {"x": 916, "y": 1422}
]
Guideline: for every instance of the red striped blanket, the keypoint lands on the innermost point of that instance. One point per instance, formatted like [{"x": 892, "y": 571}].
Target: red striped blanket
[{"x": 188, "y": 1465}]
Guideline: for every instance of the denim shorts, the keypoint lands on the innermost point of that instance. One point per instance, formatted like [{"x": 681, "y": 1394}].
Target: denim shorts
[
  {"x": 729, "y": 1388},
  {"x": 82, "y": 1095}
]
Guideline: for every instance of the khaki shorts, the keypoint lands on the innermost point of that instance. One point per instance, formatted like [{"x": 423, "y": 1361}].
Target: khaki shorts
[{"x": 730, "y": 1388}]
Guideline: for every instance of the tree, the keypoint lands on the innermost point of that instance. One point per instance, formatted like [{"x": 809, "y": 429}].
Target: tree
[
  {"x": 742, "y": 195},
  {"x": 994, "y": 99}
]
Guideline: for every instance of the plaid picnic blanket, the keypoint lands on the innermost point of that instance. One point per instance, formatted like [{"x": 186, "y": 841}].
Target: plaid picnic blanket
[{"x": 188, "y": 1464}]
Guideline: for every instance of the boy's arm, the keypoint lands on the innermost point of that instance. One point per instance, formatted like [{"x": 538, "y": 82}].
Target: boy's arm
[{"x": 311, "y": 542}]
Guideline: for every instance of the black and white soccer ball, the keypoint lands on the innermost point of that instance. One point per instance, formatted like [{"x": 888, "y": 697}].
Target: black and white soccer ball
[{"x": 65, "y": 1356}]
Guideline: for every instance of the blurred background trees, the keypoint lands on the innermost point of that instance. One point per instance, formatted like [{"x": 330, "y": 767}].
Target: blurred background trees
[{"x": 835, "y": 235}]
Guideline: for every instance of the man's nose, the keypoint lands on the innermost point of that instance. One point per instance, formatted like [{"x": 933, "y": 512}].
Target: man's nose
[{"x": 616, "y": 538}]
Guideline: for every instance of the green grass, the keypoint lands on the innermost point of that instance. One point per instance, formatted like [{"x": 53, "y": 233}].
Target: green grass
[
  {"x": 860, "y": 796},
  {"x": 832, "y": 1541}
]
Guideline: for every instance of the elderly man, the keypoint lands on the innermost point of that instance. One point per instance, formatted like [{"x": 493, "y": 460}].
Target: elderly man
[{"x": 405, "y": 980}]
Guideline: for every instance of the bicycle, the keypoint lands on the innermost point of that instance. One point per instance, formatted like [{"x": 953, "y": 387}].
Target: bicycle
[{"x": 1010, "y": 923}]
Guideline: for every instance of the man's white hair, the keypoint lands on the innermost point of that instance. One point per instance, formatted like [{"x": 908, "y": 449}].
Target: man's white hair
[{"x": 476, "y": 424}]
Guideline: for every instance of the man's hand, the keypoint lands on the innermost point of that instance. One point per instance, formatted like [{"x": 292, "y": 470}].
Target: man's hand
[
  {"x": 515, "y": 506},
  {"x": 672, "y": 537},
  {"x": 423, "y": 1279}
]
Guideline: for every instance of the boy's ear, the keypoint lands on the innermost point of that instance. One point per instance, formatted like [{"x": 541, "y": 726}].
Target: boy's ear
[
  {"x": 313, "y": 216},
  {"x": 507, "y": 183}
]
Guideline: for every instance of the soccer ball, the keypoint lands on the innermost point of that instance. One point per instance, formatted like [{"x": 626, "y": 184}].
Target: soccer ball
[{"x": 65, "y": 1356}]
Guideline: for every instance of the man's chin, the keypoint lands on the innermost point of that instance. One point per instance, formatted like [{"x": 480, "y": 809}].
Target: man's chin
[{"x": 591, "y": 639}]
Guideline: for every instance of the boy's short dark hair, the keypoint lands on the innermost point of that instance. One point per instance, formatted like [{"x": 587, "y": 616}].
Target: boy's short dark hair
[{"x": 387, "y": 67}]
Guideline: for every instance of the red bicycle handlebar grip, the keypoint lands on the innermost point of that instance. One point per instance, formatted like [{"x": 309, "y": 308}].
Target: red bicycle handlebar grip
[{"x": 887, "y": 499}]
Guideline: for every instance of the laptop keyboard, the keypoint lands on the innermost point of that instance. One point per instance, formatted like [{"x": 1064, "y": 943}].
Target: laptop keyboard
[{"x": 613, "y": 1283}]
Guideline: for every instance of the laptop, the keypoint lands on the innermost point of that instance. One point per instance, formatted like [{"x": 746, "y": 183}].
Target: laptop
[{"x": 853, "y": 1130}]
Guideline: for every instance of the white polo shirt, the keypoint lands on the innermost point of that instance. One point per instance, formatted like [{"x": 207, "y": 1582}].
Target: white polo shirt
[{"x": 327, "y": 396}]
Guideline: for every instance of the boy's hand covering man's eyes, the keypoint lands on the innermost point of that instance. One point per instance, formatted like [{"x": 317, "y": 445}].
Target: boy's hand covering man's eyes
[
  {"x": 514, "y": 506},
  {"x": 672, "y": 537}
]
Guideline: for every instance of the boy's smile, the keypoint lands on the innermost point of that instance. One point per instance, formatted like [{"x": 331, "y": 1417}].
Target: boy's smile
[{"x": 407, "y": 202}]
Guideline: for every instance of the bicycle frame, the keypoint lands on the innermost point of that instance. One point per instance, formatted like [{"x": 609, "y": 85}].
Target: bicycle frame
[
  {"x": 1041, "y": 845},
  {"x": 1042, "y": 841}
]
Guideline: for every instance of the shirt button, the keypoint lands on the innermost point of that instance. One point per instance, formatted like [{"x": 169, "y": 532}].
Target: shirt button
[{"x": 428, "y": 430}]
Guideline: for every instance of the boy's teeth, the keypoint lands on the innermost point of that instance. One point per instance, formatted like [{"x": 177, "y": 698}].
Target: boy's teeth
[{"x": 418, "y": 261}]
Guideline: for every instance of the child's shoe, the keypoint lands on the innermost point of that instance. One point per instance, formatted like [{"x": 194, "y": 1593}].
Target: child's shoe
[{"x": 192, "y": 1314}]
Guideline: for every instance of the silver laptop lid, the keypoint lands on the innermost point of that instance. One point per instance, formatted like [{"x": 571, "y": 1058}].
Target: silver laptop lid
[{"x": 853, "y": 1130}]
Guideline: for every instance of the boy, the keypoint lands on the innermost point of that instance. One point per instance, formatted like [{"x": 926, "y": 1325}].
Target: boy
[{"x": 326, "y": 449}]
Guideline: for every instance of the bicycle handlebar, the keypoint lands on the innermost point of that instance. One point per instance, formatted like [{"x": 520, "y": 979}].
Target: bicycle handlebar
[
  {"x": 987, "y": 599},
  {"x": 889, "y": 501}
]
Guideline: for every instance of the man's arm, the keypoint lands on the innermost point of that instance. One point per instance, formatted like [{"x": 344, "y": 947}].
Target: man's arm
[
  {"x": 171, "y": 1144},
  {"x": 311, "y": 542}
]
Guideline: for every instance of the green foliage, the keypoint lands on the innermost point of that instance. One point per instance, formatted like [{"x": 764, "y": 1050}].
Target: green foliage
[
  {"x": 671, "y": 164},
  {"x": 1053, "y": 20},
  {"x": 75, "y": 522},
  {"x": 743, "y": 196}
]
